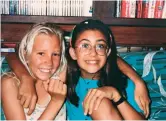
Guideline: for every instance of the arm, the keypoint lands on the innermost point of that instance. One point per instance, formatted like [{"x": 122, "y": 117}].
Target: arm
[
  {"x": 129, "y": 113},
  {"x": 110, "y": 112},
  {"x": 57, "y": 89},
  {"x": 12, "y": 108},
  {"x": 141, "y": 92},
  {"x": 95, "y": 96},
  {"x": 27, "y": 90},
  {"x": 128, "y": 71}
]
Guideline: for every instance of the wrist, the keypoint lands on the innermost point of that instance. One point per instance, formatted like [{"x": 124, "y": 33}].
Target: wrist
[
  {"x": 57, "y": 100},
  {"x": 121, "y": 100},
  {"x": 25, "y": 77},
  {"x": 139, "y": 83}
]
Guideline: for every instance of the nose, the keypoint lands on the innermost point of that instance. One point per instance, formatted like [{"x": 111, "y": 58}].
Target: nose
[
  {"x": 48, "y": 60},
  {"x": 93, "y": 51}
]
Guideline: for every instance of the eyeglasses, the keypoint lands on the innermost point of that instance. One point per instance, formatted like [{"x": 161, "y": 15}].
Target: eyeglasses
[{"x": 86, "y": 48}]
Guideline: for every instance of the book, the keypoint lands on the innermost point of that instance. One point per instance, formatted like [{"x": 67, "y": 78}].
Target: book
[
  {"x": 2, "y": 11},
  {"x": 164, "y": 11},
  {"x": 7, "y": 49},
  {"x": 125, "y": 6},
  {"x": 151, "y": 9},
  {"x": 118, "y": 8},
  {"x": 159, "y": 9},
  {"x": 87, "y": 9},
  {"x": 145, "y": 8},
  {"x": 13, "y": 7},
  {"x": 8, "y": 45},
  {"x": 139, "y": 9},
  {"x": 132, "y": 8}
]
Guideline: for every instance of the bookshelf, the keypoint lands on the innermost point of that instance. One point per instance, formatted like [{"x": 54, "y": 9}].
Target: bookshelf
[
  {"x": 74, "y": 20},
  {"x": 127, "y": 31}
]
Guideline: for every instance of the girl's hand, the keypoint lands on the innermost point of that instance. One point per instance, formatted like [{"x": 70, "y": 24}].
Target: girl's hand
[
  {"x": 142, "y": 98},
  {"x": 27, "y": 94},
  {"x": 95, "y": 96},
  {"x": 57, "y": 89}
]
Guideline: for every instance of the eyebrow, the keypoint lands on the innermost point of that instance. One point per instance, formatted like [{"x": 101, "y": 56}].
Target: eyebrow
[
  {"x": 99, "y": 40},
  {"x": 38, "y": 50}
]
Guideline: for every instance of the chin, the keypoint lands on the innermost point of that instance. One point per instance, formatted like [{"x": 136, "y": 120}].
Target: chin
[
  {"x": 44, "y": 78},
  {"x": 92, "y": 71}
]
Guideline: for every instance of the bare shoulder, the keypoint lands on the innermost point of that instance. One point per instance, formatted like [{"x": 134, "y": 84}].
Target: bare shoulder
[
  {"x": 9, "y": 87},
  {"x": 9, "y": 80}
]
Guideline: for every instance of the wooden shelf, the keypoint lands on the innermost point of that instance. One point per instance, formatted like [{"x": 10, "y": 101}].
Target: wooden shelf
[
  {"x": 74, "y": 20},
  {"x": 37, "y": 19},
  {"x": 140, "y": 22}
]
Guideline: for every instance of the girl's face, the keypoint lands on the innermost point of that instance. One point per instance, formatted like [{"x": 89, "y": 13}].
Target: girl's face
[
  {"x": 90, "y": 52},
  {"x": 45, "y": 57}
]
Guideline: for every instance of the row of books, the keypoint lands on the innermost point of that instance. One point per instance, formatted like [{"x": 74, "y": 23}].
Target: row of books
[
  {"x": 8, "y": 47},
  {"x": 141, "y": 9},
  {"x": 47, "y": 7}
]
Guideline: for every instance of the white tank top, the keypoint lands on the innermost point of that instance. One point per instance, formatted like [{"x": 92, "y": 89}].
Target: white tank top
[{"x": 40, "y": 109}]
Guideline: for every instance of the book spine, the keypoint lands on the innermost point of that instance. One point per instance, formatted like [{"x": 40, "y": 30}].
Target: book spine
[
  {"x": 151, "y": 10},
  {"x": 2, "y": 7},
  {"x": 68, "y": 8},
  {"x": 6, "y": 7},
  {"x": 125, "y": 8},
  {"x": 77, "y": 8},
  {"x": 17, "y": 7},
  {"x": 164, "y": 11},
  {"x": 132, "y": 9},
  {"x": 88, "y": 7},
  {"x": 26, "y": 7},
  {"x": 159, "y": 9},
  {"x": 60, "y": 7},
  {"x": 145, "y": 8},
  {"x": 139, "y": 9},
  {"x": 44, "y": 9},
  {"x": 11, "y": 7},
  {"x": 118, "y": 8}
]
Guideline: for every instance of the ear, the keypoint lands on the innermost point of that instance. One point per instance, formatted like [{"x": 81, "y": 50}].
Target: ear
[
  {"x": 72, "y": 53},
  {"x": 109, "y": 51}
]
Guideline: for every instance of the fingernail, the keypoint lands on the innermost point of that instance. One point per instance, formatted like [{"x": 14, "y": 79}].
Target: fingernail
[{"x": 85, "y": 113}]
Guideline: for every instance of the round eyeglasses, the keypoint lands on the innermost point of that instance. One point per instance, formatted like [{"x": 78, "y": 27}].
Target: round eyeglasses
[{"x": 86, "y": 48}]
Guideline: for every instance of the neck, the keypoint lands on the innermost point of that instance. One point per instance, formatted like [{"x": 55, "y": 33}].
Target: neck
[{"x": 94, "y": 76}]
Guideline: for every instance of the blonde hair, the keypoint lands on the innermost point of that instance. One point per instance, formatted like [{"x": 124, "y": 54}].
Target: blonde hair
[{"x": 27, "y": 42}]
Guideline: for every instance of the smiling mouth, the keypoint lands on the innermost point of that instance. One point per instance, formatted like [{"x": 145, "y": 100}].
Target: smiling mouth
[
  {"x": 45, "y": 70},
  {"x": 92, "y": 62}
]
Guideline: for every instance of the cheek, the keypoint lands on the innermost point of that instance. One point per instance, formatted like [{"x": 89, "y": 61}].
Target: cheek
[
  {"x": 104, "y": 59},
  {"x": 56, "y": 63},
  {"x": 33, "y": 63}
]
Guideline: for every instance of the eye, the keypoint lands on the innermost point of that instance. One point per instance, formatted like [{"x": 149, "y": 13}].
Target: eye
[
  {"x": 40, "y": 53},
  {"x": 101, "y": 47},
  {"x": 85, "y": 45},
  {"x": 56, "y": 54}
]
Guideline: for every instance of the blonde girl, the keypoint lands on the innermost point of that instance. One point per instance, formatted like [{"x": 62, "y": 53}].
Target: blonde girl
[{"x": 42, "y": 52}]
